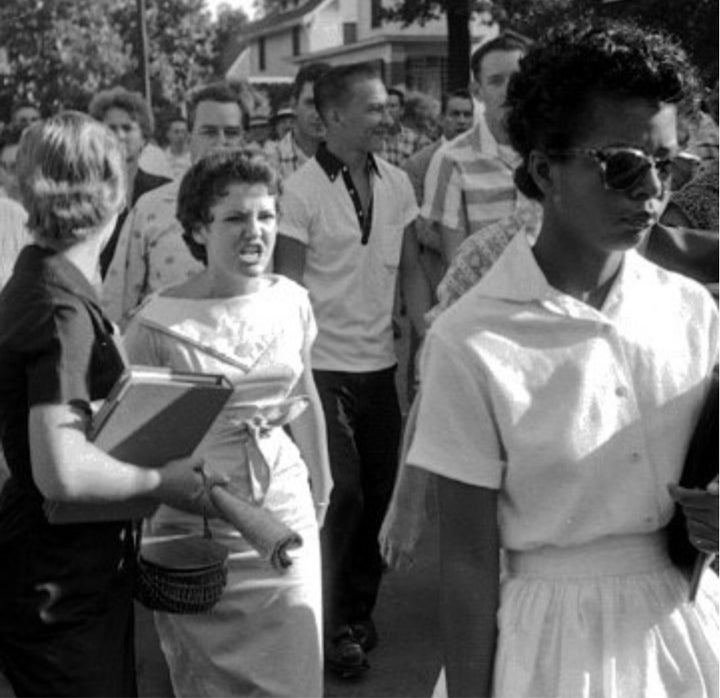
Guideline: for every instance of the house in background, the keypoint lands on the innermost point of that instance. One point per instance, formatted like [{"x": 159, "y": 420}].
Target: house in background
[{"x": 339, "y": 32}]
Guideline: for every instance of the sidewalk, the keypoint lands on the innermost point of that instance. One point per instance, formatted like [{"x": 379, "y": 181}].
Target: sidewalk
[{"x": 404, "y": 665}]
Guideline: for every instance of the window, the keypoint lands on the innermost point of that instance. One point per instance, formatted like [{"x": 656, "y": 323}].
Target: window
[
  {"x": 349, "y": 32},
  {"x": 261, "y": 53},
  {"x": 376, "y": 13},
  {"x": 296, "y": 41}
]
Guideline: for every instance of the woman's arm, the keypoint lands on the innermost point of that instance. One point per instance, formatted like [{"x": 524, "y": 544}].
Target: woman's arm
[
  {"x": 469, "y": 584},
  {"x": 407, "y": 513},
  {"x": 67, "y": 467},
  {"x": 310, "y": 435}
]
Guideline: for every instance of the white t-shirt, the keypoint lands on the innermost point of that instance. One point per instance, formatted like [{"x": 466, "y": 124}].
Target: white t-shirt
[
  {"x": 351, "y": 285},
  {"x": 579, "y": 417}
]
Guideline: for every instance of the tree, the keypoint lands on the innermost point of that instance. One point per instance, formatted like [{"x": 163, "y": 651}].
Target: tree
[
  {"x": 58, "y": 52},
  {"x": 693, "y": 22},
  {"x": 181, "y": 41},
  {"x": 228, "y": 24},
  {"x": 457, "y": 15}
]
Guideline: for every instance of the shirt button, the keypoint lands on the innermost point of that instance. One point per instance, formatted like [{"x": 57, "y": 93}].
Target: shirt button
[{"x": 621, "y": 391}]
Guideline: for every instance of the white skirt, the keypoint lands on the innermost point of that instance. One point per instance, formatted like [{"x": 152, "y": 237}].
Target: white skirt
[{"x": 610, "y": 619}]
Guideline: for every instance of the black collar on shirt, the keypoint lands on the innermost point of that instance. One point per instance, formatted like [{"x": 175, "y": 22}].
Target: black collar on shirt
[{"x": 332, "y": 166}]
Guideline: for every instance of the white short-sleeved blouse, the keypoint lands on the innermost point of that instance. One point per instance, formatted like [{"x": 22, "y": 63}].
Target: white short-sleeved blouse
[{"x": 579, "y": 417}]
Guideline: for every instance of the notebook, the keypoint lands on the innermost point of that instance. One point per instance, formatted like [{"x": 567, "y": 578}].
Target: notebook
[{"x": 152, "y": 415}]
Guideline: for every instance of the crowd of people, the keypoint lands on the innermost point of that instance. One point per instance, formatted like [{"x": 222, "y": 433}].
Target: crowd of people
[{"x": 550, "y": 233}]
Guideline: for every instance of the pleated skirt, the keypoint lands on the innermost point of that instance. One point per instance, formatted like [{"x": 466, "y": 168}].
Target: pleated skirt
[{"x": 609, "y": 619}]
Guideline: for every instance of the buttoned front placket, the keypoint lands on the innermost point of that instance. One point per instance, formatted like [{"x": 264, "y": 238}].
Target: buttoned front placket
[{"x": 607, "y": 326}]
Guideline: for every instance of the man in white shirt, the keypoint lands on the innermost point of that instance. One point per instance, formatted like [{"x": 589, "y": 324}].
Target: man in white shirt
[
  {"x": 345, "y": 232},
  {"x": 150, "y": 252},
  {"x": 469, "y": 184},
  {"x": 299, "y": 144}
]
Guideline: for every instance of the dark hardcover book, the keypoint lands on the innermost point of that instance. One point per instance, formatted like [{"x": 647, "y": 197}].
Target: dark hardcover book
[
  {"x": 152, "y": 415},
  {"x": 701, "y": 466}
]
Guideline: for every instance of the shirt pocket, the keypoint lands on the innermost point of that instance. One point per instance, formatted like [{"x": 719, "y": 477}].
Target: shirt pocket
[{"x": 391, "y": 245}]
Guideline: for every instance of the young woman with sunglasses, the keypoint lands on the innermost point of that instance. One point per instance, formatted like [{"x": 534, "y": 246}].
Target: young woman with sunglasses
[{"x": 560, "y": 394}]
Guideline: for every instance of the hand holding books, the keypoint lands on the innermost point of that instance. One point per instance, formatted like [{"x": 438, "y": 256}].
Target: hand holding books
[{"x": 700, "y": 508}]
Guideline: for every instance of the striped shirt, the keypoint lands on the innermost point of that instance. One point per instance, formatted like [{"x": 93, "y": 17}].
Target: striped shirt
[{"x": 469, "y": 183}]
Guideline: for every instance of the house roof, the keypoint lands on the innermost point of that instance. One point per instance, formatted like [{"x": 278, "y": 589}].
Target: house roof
[
  {"x": 426, "y": 42},
  {"x": 278, "y": 19}
]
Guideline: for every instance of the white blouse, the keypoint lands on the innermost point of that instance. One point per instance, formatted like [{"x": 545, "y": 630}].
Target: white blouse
[{"x": 579, "y": 417}]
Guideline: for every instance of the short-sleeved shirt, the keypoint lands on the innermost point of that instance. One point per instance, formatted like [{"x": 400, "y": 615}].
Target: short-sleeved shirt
[
  {"x": 579, "y": 417},
  {"x": 150, "y": 254},
  {"x": 351, "y": 284},
  {"x": 56, "y": 347},
  {"x": 469, "y": 183}
]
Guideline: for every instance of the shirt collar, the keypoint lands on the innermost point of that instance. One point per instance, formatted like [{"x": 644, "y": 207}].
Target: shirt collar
[
  {"x": 485, "y": 142},
  {"x": 516, "y": 277},
  {"x": 56, "y": 270},
  {"x": 333, "y": 165}
]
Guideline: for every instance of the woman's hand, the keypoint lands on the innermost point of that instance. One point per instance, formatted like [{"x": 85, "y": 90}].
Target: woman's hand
[
  {"x": 701, "y": 513},
  {"x": 406, "y": 517},
  {"x": 399, "y": 535},
  {"x": 185, "y": 485}
]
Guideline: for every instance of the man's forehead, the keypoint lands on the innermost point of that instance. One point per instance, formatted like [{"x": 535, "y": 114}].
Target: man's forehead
[
  {"x": 459, "y": 104},
  {"x": 499, "y": 60},
  {"x": 371, "y": 89},
  {"x": 210, "y": 111}
]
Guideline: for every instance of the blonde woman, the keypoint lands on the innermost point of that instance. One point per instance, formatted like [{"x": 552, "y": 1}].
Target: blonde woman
[{"x": 66, "y": 611}]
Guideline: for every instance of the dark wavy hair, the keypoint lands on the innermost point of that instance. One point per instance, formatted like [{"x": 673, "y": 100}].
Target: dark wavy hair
[
  {"x": 207, "y": 181},
  {"x": 334, "y": 87},
  {"x": 131, "y": 102},
  {"x": 548, "y": 97}
]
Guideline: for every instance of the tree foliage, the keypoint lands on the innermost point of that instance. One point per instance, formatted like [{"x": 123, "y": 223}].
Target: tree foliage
[
  {"x": 59, "y": 53},
  {"x": 693, "y": 22}
]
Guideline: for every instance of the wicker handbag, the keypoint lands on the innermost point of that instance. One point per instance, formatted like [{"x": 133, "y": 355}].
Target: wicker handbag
[{"x": 180, "y": 575}]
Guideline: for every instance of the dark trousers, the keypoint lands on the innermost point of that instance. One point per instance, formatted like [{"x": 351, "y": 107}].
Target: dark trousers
[{"x": 363, "y": 427}]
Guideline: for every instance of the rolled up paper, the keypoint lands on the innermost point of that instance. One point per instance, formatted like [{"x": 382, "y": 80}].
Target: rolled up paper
[{"x": 270, "y": 537}]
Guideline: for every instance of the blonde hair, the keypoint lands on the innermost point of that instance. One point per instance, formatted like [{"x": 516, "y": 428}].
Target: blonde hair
[{"x": 72, "y": 178}]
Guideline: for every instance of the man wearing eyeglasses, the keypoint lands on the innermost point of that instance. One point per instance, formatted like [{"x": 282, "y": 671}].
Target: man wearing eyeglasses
[{"x": 151, "y": 253}]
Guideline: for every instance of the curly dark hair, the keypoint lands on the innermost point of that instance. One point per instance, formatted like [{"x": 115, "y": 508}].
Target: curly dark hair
[
  {"x": 119, "y": 98},
  {"x": 207, "y": 181},
  {"x": 546, "y": 99}
]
